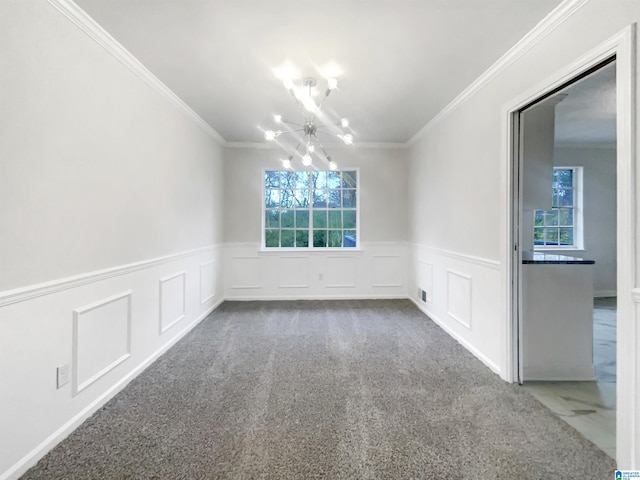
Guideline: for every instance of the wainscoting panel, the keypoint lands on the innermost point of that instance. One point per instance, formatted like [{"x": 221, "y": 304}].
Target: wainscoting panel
[
  {"x": 459, "y": 297},
  {"x": 461, "y": 291},
  {"x": 172, "y": 300},
  {"x": 293, "y": 272},
  {"x": 105, "y": 328},
  {"x": 376, "y": 270},
  {"x": 207, "y": 282},
  {"x": 101, "y": 339}
]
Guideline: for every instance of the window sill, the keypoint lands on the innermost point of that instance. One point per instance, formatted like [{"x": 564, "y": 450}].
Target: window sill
[
  {"x": 558, "y": 249},
  {"x": 307, "y": 251}
]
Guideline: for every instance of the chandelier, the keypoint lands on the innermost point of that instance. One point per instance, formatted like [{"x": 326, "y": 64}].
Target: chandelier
[{"x": 307, "y": 132}]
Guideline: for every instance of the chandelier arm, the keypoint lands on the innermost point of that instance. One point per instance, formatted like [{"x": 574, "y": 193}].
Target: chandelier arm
[
  {"x": 292, "y": 123},
  {"x": 326, "y": 95},
  {"x": 323, "y": 150}
]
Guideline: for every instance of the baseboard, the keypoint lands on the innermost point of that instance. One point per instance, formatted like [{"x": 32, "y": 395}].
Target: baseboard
[
  {"x": 474, "y": 351},
  {"x": 56, "y": 437},
  {"x": 265, "y": 298}
]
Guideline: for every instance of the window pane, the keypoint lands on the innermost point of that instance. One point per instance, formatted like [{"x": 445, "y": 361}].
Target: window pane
[
  {"x": 566, "y": 198},
  {"x": 272, "y": 179},
  {"x": 333, "y": 179},
  {"x": 562, "y": 178},
  {"x": 286, "y": 238},
  {"x": 302, "y": 179},
  {"x": 551, "y": 218},
  {"x": 551, "y": 236},
  {"x": 566, "y": 217},
  {"x": 319, "y": 199},
  {"x": 349, "y": 219},
  {"x": 538, "y": 220},
  {"x": 566, "y": 236},
  {"x": 335, "y": 219},
  {"x": 320, "y": 219},
  {"x": 272, "y": 238},
  {"x": 319, "y": 238},
  {"x": 286, "y": 219},
  {"x": 271, "y": 198},
  {"x": 272, "y": 219},
  {"x": 319, "y": 180},
  {"x": 302, "y": 198},
  {"x": 302, "y": 218},
  {"x": 349, "y": 198},
  {"x": 349, "y": 238},
  {"x": 302, "y": 238},
  {"x": 287, "y": 198},
  {"x": 538, "y": 236},
  {"x": 563, "y": 197},
  {"x": 349, "y": 179},
  {"x": 335, "y": 238},
  {"x": 333, "y": 198},
  {"x": 287, "y": 179}
]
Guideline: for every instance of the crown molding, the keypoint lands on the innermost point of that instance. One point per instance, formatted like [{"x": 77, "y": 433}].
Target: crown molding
[
  {"x": 333, "y": 146},
  {"x": 555, "y": 18},
  {"x": 89, "y": 26}
]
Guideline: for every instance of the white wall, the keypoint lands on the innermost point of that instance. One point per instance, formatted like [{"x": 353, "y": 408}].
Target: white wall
[
  {"x": 378, "y": 269},
  {"x": 599, "y": 187},
  {"x": 110, "y": 222},
  {"x": 457, "y": 194}
]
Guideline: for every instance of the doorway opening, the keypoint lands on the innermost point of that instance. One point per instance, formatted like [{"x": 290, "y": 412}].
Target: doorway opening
[{"x": 564, "y": 275}]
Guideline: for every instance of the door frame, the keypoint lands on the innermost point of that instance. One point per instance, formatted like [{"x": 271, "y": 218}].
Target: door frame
[{"x": 622, "y": 46}]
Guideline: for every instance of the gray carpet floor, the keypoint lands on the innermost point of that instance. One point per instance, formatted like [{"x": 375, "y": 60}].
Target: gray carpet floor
[{"x": 322, "y": 389}]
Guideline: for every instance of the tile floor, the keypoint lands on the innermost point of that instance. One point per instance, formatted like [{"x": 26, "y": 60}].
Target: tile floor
[{"x": 590, "y": 407}]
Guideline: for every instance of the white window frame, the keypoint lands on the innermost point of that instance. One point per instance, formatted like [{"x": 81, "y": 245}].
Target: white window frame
[
  {"x": 264, "y": 248},
  {"x": 578, "y": 212}
]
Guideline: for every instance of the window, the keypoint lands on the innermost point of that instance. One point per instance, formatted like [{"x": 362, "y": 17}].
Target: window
[
  {"x": 310, "y": 209},
  {"x": 559, "y": 227}
]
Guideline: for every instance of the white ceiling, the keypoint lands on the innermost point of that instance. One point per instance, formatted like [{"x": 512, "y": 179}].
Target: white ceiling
[
  {"x": 587, "y": 114},
  {"x": 403, "y": 60}
]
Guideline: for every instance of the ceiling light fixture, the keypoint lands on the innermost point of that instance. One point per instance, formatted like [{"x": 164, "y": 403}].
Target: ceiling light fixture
[{"x": 311, "y": 128}]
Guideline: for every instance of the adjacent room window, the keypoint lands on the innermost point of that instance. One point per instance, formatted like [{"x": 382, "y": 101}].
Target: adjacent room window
[
  {"x": 560, "y": 226},
  {"x": 310, "y": 209}
]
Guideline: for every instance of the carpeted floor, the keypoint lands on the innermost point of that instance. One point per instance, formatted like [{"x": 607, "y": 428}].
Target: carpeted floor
[{"x": 331, "y": 389}]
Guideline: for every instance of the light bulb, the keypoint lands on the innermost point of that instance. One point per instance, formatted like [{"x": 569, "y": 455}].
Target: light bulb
[
  {"x": 347, "y": 139},
  {"x": 332, "y": 83},
  {"x": 286, "y": 163},
  {"x": 306, "y": 160},
  {"x": 333, "y": 165},
  {"x": 277, "y": 118},
  {"x": 269, "y": 135},
  {"x": 344, "y": 123},
  {"x": 311, "y": 148}
]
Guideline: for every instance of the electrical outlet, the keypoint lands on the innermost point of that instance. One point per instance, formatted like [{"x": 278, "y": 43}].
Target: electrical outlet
[
  {"x": 320, "y": 277},
  {"x": 423, "y": 296},
  {"x": 63, "y": 375}
]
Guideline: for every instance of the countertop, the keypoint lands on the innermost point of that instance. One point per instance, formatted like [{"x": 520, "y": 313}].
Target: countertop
[{"x": 529, "y": 258}]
